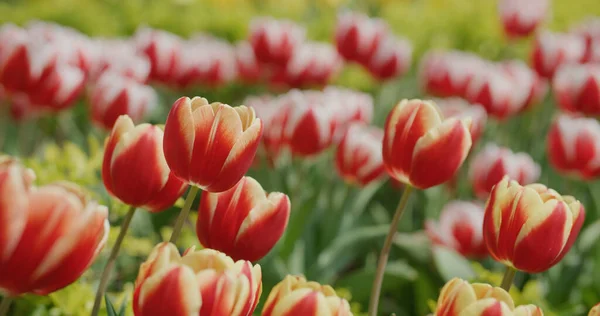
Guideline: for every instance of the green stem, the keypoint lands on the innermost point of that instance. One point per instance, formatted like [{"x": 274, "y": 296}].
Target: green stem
[
  {"x": 5, "y": 305},
  {"x": 385, "y": 251},
  {"x": 111, "y": 260},
  {"x": 508, "y": 278},
  {"x": 187, "y": 205}
]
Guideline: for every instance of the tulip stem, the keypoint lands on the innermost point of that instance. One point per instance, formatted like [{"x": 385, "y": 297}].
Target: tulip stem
[
  {"x": 183, "y": 215},
  {"x": 5, "y": 305},
  {"x": 385, "y": 251},
  {"x": 111, "y": 260},
  {"x": 508, "y": 278}
]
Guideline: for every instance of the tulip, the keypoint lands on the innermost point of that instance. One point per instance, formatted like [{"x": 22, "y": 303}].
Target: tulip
[
  {"x": 461, "y": 109},
  {"x": 357, "y": 36},
  {"x": 391, "y": 59},
  {"x": 577, "y": 88},
  {"x": 121, "y": 57},
  {"x": 554, "y": 49},
  {"x": 163, "y": 49},
  {"x": 114, "y": 95},
  {"x": 248, "y": 67},
  {"x": 274, "y": 41},
  {"x": 348, "y": 107},
  {"x": 518, "y": 219},
  {"x": 460, "y": 228},
  {"x": 520, "y": 18},
  {"x": 60, "y": 89},
  {"x": 204, "y": 282},
  {"x": 358, "y": 157},
  {"x": 589, "y": 29},
  {"x": 63, "y": 233},
  {"x": 574, "y": 146},
  {"x": 296, "y": 296},
  {"x": 493, "y": 163},
  {"x": 243, "y": 222},
  {"x": 595, "y": 311},
  {"x": 210, "y": 146},
  {"x": 459, "y": 297},
  {"x": 422, "y": 149},
  {"x": 205, "y": 61},
  {"x": 527, "y": 79},
  {"x": 447, "y": 74}
]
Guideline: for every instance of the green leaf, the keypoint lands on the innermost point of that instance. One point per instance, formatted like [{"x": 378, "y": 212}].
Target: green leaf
[
  {"x": 123, "y": 309},
  {"x": 451, "y": 264},
  {"x": 110, "y": 309},
  {"x": 589, "y": 237}
]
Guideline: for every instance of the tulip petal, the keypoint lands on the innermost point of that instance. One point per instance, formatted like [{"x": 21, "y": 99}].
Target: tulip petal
[
  {"x": 122, "y": 126},
  {"x": 179, "y": 137},
  {"x": 170, "y": 292},
  {"x": 455, "y": 296}
]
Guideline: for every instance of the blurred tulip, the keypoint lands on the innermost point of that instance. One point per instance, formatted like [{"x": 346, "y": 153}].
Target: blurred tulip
[
  {"x": 59, "y": 90},
  {"x": 520, "y": 219},
  {"x": 447, "y": 74},
  {"x": 204, "y": 282},
  {"x": 274, "y": 41},
  {"x": 358, "y": 37},
  {"x": 163, "y": 49},
  {"x": 114, "y": 95},
  {"x": 121, "y": 57},
  {"x": 459, "y": 297},
  {"x": 391, "y": 59},
  {"x": 595, "y": 311},
  {"x": 521, "y": 18},
  {"x": 310, "y": 64},
  {"x": 248, "y": 67},
  {"x": 358, "y": 156},
  {"x": 573, "y": 146},
  {"x": 296, "y": 296},
  {"x": 554, "y": 49},
  {"x": 577, "y": 88},
  {"x": 348, "y": 107},
  {"x": 134, "y": 169},
  {"x": 210, "y": 145},
  {"x": 63, "y": 234},
  {"x": 589, "y": 29},
  {"x": 526, "y": 79},
  {"x": 461, "y": 109},
  {"x": 205, "y": 61},
  {"x": 493, "y": 163},
  {"x": 460, "y": 228},
  {"x": 244, "y": 222},
  {"x": 422, "y": 149}
]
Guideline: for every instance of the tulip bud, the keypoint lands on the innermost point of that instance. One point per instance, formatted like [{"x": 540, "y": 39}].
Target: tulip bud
[
  {"x": 63, "y": 234},
  {"x": 204, "y": 282},
  {"x": 134, "y": 169},
  {"x": 461, "y": 109},
  {"x": 493, "y": 163},
  {"x": 554, "y": 49},
  {"x": 448, "y": 74},
  {"x": 60, "y": 89},
  {"x": 114, "y": 95},
  {"x": 210, "y": 145},
  {"x": 243, "y": 222},
  {"x": 274, "y": 41},
  {"x": 163, "y": 49},
  {"x": 391, "y": 59},
  {"x": 574, "y": 146},
  {"x": 459, "y": 297},
  {"x": 595, "y": 311},
  {"x": 422, "y": 149},
  {"x": 358, "y": 157},
  {"x": 518, "y": 219},
  {"x": 296, "y": 296},
  {"x": 577, "y": 88},
  {"x": 521, "y": 18},
  {"x": 357, "y": 36},
  {"x": 460, "y": 228}
]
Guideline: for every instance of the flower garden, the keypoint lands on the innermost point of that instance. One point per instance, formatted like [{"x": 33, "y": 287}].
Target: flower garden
[{"x": 215, "y": 158}]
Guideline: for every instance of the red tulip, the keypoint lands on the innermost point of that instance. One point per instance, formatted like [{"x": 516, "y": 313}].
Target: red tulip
[
  {"x": 206, "y": 61},
  {"x": 589, "y": 29},
  {"x": 554, "y": 49},
  {"x": 121, "y": 57},
  {"x": 459, "y": 297},
  {"x": 296, "y": 296},
  {"x": 204, "y": 283},
  {"x": 447, "y": 74},
  {"x": 358, "y": 157},
  {"x": 274, "y": 41},
  {"x": 574, "y": 146},
  {"x": 210, "y": 145},
  {"x": 526, "y": 79},
  {"x": 460, "y": 228},
  {"x": 114, "y": 95},
  {"x": 348, "y": 107},
  {"x": 422, "y": 149},
  {"x": 59, "y": 90},
  {"x": 493, "y": 163},
  {"x": 391, "y": 59},
  {"x": 63, "y": 233},
  {"x": 577, "y": 88},
  {"x": 498, "y": 92},
  {"x": 521, "y": 18},
  {"x": 357, "y": 36},
  {"x": 248, "y": 67},
  {"x": 520, "y": 219},
  {"x": 163, "y": 49},
  {"x": 461, "y": 109},
  {"x": 244, "y": 222}
]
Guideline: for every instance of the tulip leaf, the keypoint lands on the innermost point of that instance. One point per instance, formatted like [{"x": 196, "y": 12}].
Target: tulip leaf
[
  {"x": 110, "y": 309},
  {"x": 451, "y": 264}
]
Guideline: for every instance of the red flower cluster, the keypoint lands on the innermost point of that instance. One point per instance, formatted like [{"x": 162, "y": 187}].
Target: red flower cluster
[{"x": 369, "y": 42}]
